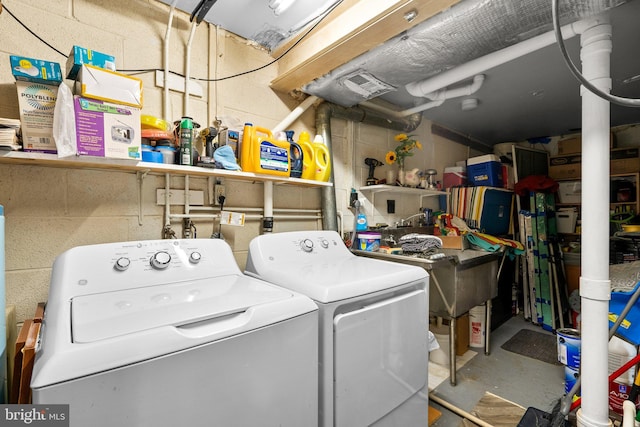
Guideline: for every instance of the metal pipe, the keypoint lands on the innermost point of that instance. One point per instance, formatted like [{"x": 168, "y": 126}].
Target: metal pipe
[{"x": 324, "y": 113}]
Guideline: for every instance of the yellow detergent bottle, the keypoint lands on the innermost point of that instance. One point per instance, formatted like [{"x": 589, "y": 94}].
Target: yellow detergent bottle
[
  {"x": 308, "y": 164},
  {"x": 322, "y": 160},
  {"x": 263, "y": 153}
]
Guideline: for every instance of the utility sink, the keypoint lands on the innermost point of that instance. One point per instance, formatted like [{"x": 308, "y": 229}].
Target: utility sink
[{"x": 458, "y": 281}]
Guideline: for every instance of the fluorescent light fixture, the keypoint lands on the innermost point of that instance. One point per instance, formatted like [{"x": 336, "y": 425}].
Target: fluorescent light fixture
[{"x": 280, "y": 6}]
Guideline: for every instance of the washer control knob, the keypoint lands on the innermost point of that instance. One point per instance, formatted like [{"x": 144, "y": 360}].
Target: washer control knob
[
  {"x": 195, "y": 257},
  {"x": 160, "y": 260},
  {"x": 306, "y": 245},
  {"x": 324, "y": 243},
  {"x": 122, "y": 263}
]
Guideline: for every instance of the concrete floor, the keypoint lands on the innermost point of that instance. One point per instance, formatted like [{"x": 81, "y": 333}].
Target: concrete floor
[{"x": 519, "y": 379}]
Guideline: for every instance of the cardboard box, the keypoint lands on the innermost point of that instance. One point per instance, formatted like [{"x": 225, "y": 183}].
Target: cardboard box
[
  {"x": 82, "y": 55},
  {"x": 454, "y": 242},
  {"x": 35, "y": 70},
  {"x": 462, "y": 334},
  {"x": 625, "y": 160},
  {"x": 36, "y": 103},
  {"x": 570, "y": 146},
  {"x": 563, "y": 167},
  {"x": 104, "y": 129},
  {"x": 109, "y": 86}
]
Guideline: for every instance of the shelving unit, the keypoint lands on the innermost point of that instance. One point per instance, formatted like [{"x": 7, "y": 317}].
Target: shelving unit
[
  {"x": 632, "y": 205},
  {"x": 87, "y": 162}
]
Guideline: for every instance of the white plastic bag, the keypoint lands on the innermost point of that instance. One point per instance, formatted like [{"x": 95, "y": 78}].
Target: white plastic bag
[{"x": 64, "y": 123}]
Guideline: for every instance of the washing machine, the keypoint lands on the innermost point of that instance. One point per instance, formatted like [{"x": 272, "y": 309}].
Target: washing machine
[
  {"x": 373, "y": 326},
  {"x": 171, "y": 332}
]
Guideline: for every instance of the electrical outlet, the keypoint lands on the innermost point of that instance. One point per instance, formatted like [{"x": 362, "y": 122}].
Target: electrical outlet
[{"x": 218, "y": 192}]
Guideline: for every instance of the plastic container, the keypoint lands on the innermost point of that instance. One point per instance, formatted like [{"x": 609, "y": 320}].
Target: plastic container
[
  {"x": 322, "y": 160},
  {"x": 620, "y": 352},
  {"x": 168, "y": 154},
  {"x": 477, "y": 326},
  {"x": 485, "y": 170},
  {"x": 369, "y": 241},
  {"x": 308, "y": 168},
  {"x": 454, "y": 176},
  {"x": 260, "y": 152},
  {"x": 569, "y": 347},
  {"x": 566, "y": 220}
]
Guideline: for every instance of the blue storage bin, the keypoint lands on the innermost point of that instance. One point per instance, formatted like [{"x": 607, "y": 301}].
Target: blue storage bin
[
  {"x": 496, "y": 211},
  {"x": 485, "y": 170}
]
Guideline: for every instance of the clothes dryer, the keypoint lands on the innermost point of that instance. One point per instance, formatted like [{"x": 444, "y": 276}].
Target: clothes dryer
[
  {"x": 170, "y": 333},
  {"x": 373, "y": 326}
]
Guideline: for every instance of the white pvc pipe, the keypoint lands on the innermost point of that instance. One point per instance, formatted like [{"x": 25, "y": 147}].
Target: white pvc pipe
[
  {"x": 167, "y": 44},
  {"x": 268, "y": 199},
  {"x": 595, "y": 286},
  {"x": 628, "y": 413},
  {"x": 293, "y": 115},
  {"x": 187, "y": 69},
  {"x": 489, "y": 61},
  {"x": 437, "y": 98}
]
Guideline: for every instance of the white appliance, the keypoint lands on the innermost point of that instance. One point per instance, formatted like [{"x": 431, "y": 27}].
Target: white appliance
[
  {"x": 169, "y": 333},
  {"x": 373, "y": 326}
]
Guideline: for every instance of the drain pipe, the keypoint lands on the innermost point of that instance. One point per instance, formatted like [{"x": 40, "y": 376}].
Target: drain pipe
[
  {"x": 595, "y": 286},
  {"x": 482, "y": 64},
  {"x": 437, "y": 98},
  {"x": 324, "y": 113}
]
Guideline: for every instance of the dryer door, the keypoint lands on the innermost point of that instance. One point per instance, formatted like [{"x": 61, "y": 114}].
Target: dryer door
[{"x": 380, "y": 358}]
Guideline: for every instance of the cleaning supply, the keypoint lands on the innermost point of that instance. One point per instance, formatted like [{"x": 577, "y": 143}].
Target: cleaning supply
[
  {"x": 263, "y": 153},
  {"x": 296, "y": 156},
  {"x": 361, "y": 219},
  {"x": 321, "y": 159},
  {"x": 308, "y": 167}
]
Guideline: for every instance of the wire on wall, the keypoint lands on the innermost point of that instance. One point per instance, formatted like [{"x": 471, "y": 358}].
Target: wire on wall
[{"x": 145, "y": 70}]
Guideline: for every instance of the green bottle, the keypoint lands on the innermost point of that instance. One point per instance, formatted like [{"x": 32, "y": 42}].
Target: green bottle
[{"x": 186, "y": 141}]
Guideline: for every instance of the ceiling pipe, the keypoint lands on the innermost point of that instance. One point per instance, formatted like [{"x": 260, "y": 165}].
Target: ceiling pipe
[
  {"x": 324, "y": 113},
  {"x": 482, "y": 64},
  {"x": 437, "y": 98}
]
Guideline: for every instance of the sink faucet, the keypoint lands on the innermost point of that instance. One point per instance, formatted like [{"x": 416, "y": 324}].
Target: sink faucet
[{"x": 390, "y": 240}]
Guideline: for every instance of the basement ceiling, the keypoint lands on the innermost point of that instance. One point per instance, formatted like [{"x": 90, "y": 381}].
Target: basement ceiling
[{"x": 530, "y": 97}]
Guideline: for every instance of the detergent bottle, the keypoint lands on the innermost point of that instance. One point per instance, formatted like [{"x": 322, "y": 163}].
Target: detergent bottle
[
  {"x": 321, "y": 159},
  {"x": 308, "y": 166},
  {"x": 263, "y": 153},
  {"x": 296, "y": 156}
]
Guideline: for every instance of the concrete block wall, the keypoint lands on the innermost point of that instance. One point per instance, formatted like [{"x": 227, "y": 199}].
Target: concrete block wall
[{"x": 49, "y": 210}]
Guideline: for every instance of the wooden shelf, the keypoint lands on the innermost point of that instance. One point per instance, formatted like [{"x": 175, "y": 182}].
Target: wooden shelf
[{"x": 89, "y": 162}]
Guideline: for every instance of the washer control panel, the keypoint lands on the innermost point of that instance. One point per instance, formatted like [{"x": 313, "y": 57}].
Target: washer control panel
[{"x": 126, "y": 265}]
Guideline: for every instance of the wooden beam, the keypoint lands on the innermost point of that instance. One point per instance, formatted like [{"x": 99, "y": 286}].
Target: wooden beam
[{"x": 352, "y": 29}]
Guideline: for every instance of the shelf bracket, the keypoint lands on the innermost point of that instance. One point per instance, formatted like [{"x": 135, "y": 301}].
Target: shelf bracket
[{"x": 140, "y": 175}]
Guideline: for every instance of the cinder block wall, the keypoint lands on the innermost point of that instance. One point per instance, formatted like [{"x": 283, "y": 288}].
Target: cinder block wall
[{"x": 49, "y": 210}]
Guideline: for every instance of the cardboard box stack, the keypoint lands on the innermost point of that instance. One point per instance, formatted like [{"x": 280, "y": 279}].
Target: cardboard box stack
[{"x": 106, "y": 104}]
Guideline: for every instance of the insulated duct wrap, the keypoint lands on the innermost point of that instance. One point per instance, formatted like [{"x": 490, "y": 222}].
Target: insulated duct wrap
[{"x": 466, "y": 31}]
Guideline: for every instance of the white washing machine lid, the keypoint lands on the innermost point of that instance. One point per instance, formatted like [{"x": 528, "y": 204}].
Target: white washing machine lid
[
  {"x": 98, "y": 332},
  {"x": 111, "y": 314}
]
